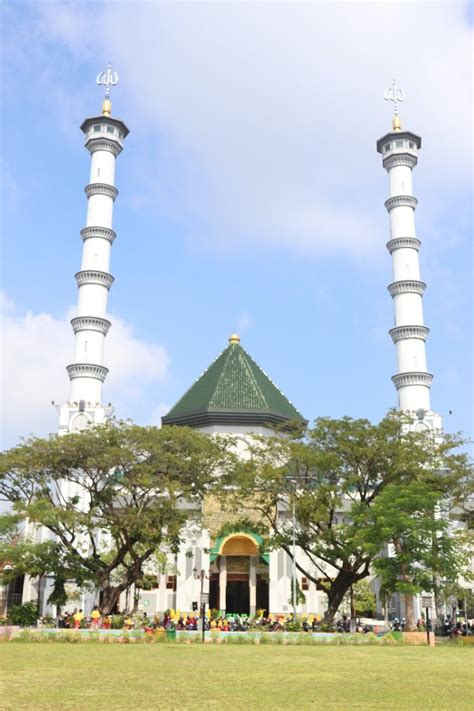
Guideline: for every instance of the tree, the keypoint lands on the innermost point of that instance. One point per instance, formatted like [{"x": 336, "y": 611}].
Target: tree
[
  {"x": 334, "y": 474},
  {"x": 422, "y": 546},
  {"x": 109, "y": 498}
]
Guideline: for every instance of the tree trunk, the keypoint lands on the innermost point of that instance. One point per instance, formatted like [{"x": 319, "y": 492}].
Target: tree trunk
[
  {"x": 438, "y": 600},
  {"x": 410, "y": 612},
  {"x": 110, "y": 597},
  {"x": 336, "y": 592},
  {"x": 410, "y": 625}
]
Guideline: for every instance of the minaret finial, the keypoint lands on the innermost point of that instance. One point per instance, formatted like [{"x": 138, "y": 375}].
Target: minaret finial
[
  {"x": 394, "y": 94},
  {"x": 107, "y": 78}
]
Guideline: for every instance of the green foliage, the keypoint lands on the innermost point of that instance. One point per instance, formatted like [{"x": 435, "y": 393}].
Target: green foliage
[
  {"x": 339, "y": 476},
  {"x": 24, "y": 615},
  {"x": 364, "y": 598},
  {"x": 125, "y": 481},
  {"x": 422, "y": 543}
]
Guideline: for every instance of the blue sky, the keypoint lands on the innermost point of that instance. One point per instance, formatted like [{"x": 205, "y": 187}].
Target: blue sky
[{"x": 251, "y": 198}]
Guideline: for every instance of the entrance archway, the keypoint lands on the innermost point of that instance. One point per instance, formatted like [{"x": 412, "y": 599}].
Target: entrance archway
[{"x": 239, "y": 583}]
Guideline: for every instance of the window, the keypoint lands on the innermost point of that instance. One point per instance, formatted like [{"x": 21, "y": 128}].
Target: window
[
  {"x": 171, "y": 582},
  {"x": 411, "y": 144},
  {"x": 96, "y": 128},
  {"x": 386, "y": 147},
  {"x": 398, "y": 144},
  {"x": 120, "y": 134},
  {"x": 304, "y": 584},
  {"x": 110, "y": 129}
]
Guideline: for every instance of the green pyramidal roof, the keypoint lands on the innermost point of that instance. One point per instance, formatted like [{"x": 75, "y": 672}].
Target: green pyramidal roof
[{"x": 234, "y": 390}]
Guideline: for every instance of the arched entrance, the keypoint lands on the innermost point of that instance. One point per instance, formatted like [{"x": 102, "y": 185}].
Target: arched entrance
[{"x": 239, "y": 580}]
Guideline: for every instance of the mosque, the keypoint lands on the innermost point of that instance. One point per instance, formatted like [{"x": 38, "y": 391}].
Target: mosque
[{"x": 234, "y": 395}]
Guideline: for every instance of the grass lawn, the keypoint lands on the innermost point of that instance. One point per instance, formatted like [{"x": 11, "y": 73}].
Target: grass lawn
[{"x": 168, "y": 676}]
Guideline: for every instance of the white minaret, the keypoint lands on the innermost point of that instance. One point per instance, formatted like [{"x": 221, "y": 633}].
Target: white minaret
[
  {"x": 104, "y": 136},
  {"x": 412, "y": 380}
]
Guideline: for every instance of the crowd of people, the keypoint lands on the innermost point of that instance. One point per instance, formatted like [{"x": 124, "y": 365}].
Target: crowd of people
[{"x": 172, "y": 620}]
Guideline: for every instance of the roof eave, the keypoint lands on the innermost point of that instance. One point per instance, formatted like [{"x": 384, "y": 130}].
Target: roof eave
[{"x": 206, "y": 418}]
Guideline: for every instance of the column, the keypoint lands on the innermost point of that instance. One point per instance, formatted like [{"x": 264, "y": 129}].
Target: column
[
  {"x": 222, "y": 584},
  {"x": 253, "y": 585}
]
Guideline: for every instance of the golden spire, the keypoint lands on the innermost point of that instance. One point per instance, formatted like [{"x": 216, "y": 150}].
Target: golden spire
[
  {"x": 106, "y": 107},
  {"x": 234, "y": 339},
  {"x": 396, "y": 123}
]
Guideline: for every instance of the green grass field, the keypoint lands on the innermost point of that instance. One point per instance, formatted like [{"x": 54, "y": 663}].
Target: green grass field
[{"x": 96, "y": 676}]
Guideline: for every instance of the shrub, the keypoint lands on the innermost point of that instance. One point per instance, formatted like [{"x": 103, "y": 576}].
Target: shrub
[
  {"x": 117, "y": 622},
  {"x": 25, "y": 615}
]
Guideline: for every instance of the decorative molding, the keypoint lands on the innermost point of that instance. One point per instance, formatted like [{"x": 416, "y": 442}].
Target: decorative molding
[
  {"x": 87, "y": 370},
  {"x": 89, "y": 276},
  {"x": 401, "y": 332},
  {"x": 90, "y": 323},
  {"x": 398, "y": 159},
  {"x": 402, "y": 380},
  {"x": 403, "y": 243},
  {"x": 407, "y": 287},
  {"x": 101, "y": 189},
  {"x": 103, "y": 143},
  {"x": 95, "y": 231},
  {"x": 401, "y": 201}
]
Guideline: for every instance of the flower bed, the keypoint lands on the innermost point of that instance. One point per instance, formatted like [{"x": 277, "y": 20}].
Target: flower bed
[{"x": 214, "y": 637}]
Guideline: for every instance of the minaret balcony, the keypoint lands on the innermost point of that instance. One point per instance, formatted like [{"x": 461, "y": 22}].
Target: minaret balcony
[
  {"x": 90, "y": 323},
  {"x": 103, "y": 143},
  {"x": 89, "y": 276},
  {"x": 401, "y": 201},
  {"x": 400, "y": 159},
  {"x": 101, "y": 189},
  {"x": 96, "y": 231},
  {"x": 407, "y": 287},
  {"x": 402, "y": 380},
  {"x": 87, "y": 370},
  {"x": 401, "y": 332},
  {"x": 403, "y": 243}
]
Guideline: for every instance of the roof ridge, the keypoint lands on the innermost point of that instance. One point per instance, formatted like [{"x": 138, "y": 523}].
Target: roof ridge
[
  {"x": 221, "y": 374},
  {"x": 237, "y": 358},
  {"x": 252, "y": 375},
  {"x": 269, "y": 379}
]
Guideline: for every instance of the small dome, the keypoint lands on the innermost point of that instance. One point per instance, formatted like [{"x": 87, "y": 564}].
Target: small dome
[{"x": 234, "y": 339}]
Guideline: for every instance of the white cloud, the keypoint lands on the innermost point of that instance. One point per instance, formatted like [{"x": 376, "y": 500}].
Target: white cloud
[{"x": 36, "y": 347}]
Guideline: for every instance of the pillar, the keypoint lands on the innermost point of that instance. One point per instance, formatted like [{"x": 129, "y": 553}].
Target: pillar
[
  {"x": 222, "y": 584},
  {"x": 253, "y": 585}
]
